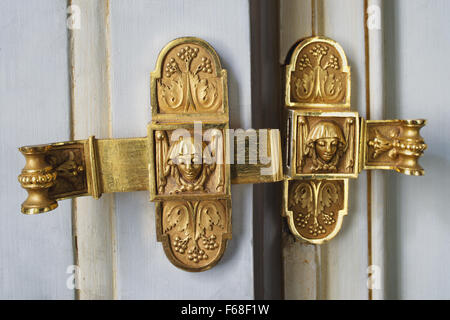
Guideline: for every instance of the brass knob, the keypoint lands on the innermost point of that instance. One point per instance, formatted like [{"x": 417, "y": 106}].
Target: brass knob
[
  {"x": 397, "y": 143},
  {"x": 412, "y": 147},
  {"x": 37, "y": 178}
]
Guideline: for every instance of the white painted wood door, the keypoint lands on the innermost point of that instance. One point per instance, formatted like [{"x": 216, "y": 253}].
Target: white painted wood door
[
  {"x": 394, "y": 242},
  {"x": 93, "y": 78},
  {"x": 138, "y": 32},
  {"x": 59, "y": 83},
  {"x": 36, "y": 251},
  {"x": 336, "y": 270}
]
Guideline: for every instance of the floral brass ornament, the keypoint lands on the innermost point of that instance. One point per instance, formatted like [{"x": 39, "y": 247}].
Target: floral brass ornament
[
  {"x": 194, "y": 232},
  {"x": 319, "y": 75},
  {"x": 194, "y": 229},
  {"x": 396, "y": 145},
  {"x": 189, "y": 81},
  {"x": 184, "y": 161},
  {"x": 316, "y": 208},
  {"x": 69, "y": 167},
  {"x": 188, "y": 175},
  {"x": 327, "y": 144}
]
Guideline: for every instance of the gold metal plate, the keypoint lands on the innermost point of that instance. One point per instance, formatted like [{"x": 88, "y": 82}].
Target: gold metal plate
[
  {"x": 318, "y": 76},
  {"x": 315, "y": 209},
  {"x": 188, "y": 175},
  {"x": 326, "y": 143},
  {"x": 190, "y": 157},
  {"x": 188, "y": 160}
]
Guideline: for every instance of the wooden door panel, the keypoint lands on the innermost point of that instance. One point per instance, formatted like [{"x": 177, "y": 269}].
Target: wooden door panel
[
  {"x": 35, "y": 252},
  {"x": 138, "y": 33},
  {"x": 416, "y": 49},
  {"x": 338, "y": 269}
]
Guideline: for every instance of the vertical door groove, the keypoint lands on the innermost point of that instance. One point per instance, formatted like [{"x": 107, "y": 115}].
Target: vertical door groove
[
  {"x": 338, "y": 269},
  {"x": 93, "y": 220},
  {"x": 375, "y": 180}
]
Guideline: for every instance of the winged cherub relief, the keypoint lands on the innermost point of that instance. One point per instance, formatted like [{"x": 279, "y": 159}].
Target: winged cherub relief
[{"x": 325, "y": 145}]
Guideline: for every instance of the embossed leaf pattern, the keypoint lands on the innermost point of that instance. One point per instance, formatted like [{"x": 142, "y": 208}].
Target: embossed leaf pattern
[
  {"x": 207, "y": 217},
  {"x": 205, "y": 92},
  {"x": 382, "y": 144},
  {"x": 333, "y": 86},
  {"x": 304, "y": 84},
  {"x": 69, "y": 168},
  {"x": 303, "y": 196},
  {"x": 172, "y": 93},
  {"x": 189, "y": 84},
  {"x": 318, "y": 77},
  {"x": 178, "y": 218},
  {"x": 329, "y": 195},
  {"x": 206, "y": 89}
]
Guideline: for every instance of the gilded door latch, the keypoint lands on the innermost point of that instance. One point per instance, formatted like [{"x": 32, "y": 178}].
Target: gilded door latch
[
  {"x": 188, "y": 160},
  {"x": 326, "y": 143}
]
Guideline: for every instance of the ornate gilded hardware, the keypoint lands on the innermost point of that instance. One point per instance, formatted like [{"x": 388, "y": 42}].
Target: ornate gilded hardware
[
  {"x": 188, "y": 160},
  {"x": 394, "y": 144},
  {"x": 326, "y": 143},
  {"x": 52, "y": 172}
]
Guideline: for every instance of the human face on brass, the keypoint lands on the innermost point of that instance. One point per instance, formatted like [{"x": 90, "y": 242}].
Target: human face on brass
[
  {"x": 189, "y": 169},
  {"x": 326, "y": 148}
]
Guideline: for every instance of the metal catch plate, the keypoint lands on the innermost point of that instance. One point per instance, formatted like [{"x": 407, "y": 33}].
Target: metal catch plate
[
  {"x": 189, "y": 178},
  {"x": 327, "y": 143}
]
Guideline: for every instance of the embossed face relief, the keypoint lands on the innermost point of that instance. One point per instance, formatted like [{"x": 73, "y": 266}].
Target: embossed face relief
[
  {"x": 186, "y": 157},
  {"x": 190, "y": 171},
  {"x": 187, "y": 165},
  {"x": 326, "y": 143},
  {"x": 324, "y": 137},
  {"x": 326, "y": 148}
]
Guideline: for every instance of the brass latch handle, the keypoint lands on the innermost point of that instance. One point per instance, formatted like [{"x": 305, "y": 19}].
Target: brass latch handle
[
  {"x": 177, "y": 162},
  {"x": 326, "y": 144},
  {"x": 82, "y": 168},
  {"x": 92, "y": 167},
  {"x": 37, "y": 177}
]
